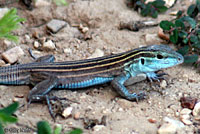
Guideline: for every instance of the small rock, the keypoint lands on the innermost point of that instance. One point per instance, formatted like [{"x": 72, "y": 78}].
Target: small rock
[
  {"x": 3, "y": 11},
  {"x": 98, "y": 127},
  {"x": 97, "y": 53},
  {"x": 77, "y": 116},
  {"x": 186, "y": 120},
  {"x": 36, "y": 44},
  {"x": 2, "y": 63},
  {"x": 185, "y": 111},
  {"x": 188, "y": 102},
  {"x": 56, "y": 25},
  {"x": 7, "y": 43},
  {"x": 41, "y": 3},
  {"x": 27, "y": 37},
  {"x": 152, "y": 38},
  {"x": 167, "y": 129},
  {"x": 196, "y": 111},
  {"x": 133, "y": 80},
  {"x": 185, "y": 116},
  {"x": 83, "y": 29},
  {"x": 68, "y": 51},
  {"x": 12, "y": 55},
  {"x": 171, "y": 127},
  {"x": 120, "y": 109},
  {"x": 67, "y": 112},
  {"x": 49, "y": 45},
  {"x": 163, "y": 84},
  {"x": 178, "y": 124},
  {"x": 162, "y": 35},
  {"x": 15, "y": 99},
  {"x": 152, "y": 120}
]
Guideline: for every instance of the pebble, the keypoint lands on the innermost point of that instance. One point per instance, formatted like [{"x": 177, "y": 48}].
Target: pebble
[
  {"x": 97, "y": 53},
  {"x": 56, "y": 25},
  {"x": 27, "y": 37},
  {"x": 67, "y": 112},
  {"x": 2, "y": 63},
  {"x": 36, "y": 44},
  {"x": 133, "y": 80},
  {"x": 41, "y": 3},
  {"x": 49, "y": 45},
  {"x": 12, "y": 55},
  {"x": 163, "y": 84},
  {"x": 7, "y": 43},
  {"x": 98, "y": 127},
  {"x": 170, "y": 127},
  {"x": 196, "y": 111},
  {"x": 3, "y": 11},
  {"x": 77, "y": 115},
  {"x": 167, "y": 129},
  {"x": 83, "y": 29},
  {"x": 185, "y": 116},
  {"x": 68, "y": 51},
  {"x": 151, "y": 120}
]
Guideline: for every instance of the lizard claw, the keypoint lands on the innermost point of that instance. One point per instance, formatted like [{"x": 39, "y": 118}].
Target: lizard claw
[{"x": 141, "y": 96}]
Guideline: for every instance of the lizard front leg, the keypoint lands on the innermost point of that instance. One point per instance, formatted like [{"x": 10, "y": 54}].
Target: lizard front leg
[{"x": 118, "y": 84}]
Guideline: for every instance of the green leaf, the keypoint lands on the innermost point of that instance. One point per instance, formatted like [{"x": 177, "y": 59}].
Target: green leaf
[
  {"x": 10, "y": 109},
  {"x": 191, "y": 9},
  {"x": 185, "y": 41},
  {"x": 179, "y": 23},
  {"x": 174, "y": 37},
  {"x": 166, "y": 25},
  {"x": 179, "y": 13},
  {"x": 9, "y": 22},
  {"x": 158, "y": 3},
  {"x": 193, "y": 38},
  {"x": 182, "y": 34},
  {"x": 198, "y": 4},
  {"x": 154, "y": 14},
  {"x": 184, "y": 50},
  {"x": 6, "y": 118},
  {"x": 196, "y": 45},
  {"x": 162, "y": 9},
  {"x": 1, "y": 128},
  {"x": 76, "y": 131},
  {"x": 58, "y": 129},
  {"x": 191, "y": 59},
  {"x": 190, "y": 20},
  {"x": 43, "y": 127}
]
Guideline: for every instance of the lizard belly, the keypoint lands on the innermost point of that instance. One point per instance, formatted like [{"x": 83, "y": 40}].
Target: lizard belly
[{"x": 86, "y": 83}]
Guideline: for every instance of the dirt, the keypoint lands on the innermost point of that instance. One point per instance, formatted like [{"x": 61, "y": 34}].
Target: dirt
[{"x": 94, "y": 103}]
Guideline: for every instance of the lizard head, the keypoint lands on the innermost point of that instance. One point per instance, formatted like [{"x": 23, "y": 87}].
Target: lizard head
[{"x": 155, "y": 57}]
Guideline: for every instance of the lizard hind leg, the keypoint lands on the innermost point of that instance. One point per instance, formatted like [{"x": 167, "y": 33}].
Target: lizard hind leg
[{"x": 39, "y": 93}]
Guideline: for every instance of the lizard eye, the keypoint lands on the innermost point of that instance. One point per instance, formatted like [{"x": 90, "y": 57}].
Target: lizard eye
[
  {"x": 159, "y": 56},
  {"x": 142, "y": 61}
]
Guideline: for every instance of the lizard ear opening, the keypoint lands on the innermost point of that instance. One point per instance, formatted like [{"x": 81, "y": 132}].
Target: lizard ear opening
[
  {"x": 159, "y": 56},
  {"x": 142, "y": 61}
]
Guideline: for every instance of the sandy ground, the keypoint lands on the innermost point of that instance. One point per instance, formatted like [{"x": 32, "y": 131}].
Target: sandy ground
[{"x": 122, "y": 116}]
